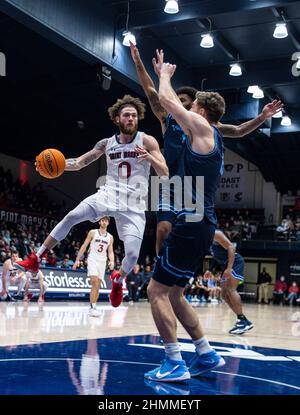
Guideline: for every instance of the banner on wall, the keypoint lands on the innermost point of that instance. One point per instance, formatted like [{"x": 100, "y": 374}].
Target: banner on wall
[
  {"x": 23, "y": 218},
  {"x": 68, "y": 283},
  {"x": 231, "y": 191}
]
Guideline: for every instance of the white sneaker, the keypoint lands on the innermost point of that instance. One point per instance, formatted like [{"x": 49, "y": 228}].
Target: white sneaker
[{"x": 93, "y": 312}]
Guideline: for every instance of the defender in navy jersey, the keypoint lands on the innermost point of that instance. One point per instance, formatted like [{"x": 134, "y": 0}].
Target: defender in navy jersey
[
  {"x": 174, "y": 136},
  {"x": 202, "y": 155},
  {"x": 232, "y": 265}
]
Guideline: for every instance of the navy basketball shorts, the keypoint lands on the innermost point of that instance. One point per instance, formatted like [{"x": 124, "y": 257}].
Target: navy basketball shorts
[
  {"x": 183, "y": 251},
  {"x": 237, "y": 269}
]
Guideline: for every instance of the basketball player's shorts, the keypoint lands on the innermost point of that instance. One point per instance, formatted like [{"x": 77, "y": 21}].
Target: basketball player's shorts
[
  {"x": 129, "y": 222},
  {"x": 237, "y": 269},
  {"x": 183, "y": 251},
  {"x": 90, "y": 374},
  {"x": 96, "y": 268}
]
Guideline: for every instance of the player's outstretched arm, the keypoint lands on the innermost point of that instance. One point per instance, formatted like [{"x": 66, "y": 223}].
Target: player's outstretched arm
[
  {"x": 83, "y": 248},
  {"x": 87, "y": 158},
  {"x": 191, "y": 122},
  {"x": 148, "y": 85},
  {"x": 238, "y": 131}
]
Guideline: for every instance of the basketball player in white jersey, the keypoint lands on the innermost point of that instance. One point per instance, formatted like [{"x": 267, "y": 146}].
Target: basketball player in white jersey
[
  {"x": 129, "y": 155},
  {"x": 35, "y": 280},
  {"x": 101, "y": 247},
  {"x": 11, "y": 276}
]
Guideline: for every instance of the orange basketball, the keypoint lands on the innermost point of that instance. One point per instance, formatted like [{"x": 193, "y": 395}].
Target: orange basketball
[{"x": 50, "y": 163}]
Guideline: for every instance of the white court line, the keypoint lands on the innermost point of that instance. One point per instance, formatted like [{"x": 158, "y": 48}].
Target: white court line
[
  {"x": 253, "y": 377},
  {"x": 153, "y": 364},
  {"x": 71, "y": 358}
]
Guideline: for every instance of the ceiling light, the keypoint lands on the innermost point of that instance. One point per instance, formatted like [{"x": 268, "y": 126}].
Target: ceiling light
[
  {"x": 277, "y": 115},
  {"x": 128, "y": 37},
  {"x": 258, "y": 93},
  {"x": 286, "y": 121},
  {"x": 171, "y": 7},
  {"x": 235, "y": 70},
  {"x": 252, "y": 88},
  {"x": 280, "y": 31},
  {"x": 207, "y": 41}
]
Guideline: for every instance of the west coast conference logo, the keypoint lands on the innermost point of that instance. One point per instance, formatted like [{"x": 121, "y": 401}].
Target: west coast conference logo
[{"x": 2, "y": 64}]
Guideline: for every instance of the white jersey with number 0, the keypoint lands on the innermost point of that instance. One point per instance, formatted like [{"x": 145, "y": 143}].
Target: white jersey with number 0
[{"x": 126, "y": 174}]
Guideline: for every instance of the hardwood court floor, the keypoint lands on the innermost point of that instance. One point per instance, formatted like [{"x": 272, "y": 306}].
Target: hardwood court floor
[{"x": 22, "y": 323}]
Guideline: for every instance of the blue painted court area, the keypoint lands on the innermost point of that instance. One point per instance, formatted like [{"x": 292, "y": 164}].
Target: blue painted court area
[{"x": 117, "y": 365}]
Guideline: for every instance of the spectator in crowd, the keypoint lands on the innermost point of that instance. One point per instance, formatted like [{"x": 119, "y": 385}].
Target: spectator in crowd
[
  {"x": 66, "y": 262},
  {"x": 263, "y": 282},
  {"x": 51, "y": 259},
  {"x": 293, "y": 293},
  {"x": 133, "y": 282},
  {"x": 286, "y": 229},
  {"x": 280, "y": 290},
  {"x": 146, "y": 276}
]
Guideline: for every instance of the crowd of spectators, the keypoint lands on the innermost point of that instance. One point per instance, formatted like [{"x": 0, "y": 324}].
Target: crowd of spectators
[
  {"x": 204, "y": 288},
  {"x": 283, "y": 294},
  {"x": 240, "y": 224},
  {"x": 289, "y": 228},
  {"x": 16, "y": 194}
]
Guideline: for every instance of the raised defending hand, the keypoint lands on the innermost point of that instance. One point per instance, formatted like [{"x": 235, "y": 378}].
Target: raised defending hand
[
  {"x": 135, "y": 54},
  {"x": 167, "y": 69},
  {"x": 158, "y": 61},
  {"x": 272, "y": 108}
]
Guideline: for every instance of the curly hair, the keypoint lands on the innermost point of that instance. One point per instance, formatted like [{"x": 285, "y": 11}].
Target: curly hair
[
  {"x": 213, "y": 103},
  {"x": 187, "y": 90},
  {"x": 126, "y": 101}
]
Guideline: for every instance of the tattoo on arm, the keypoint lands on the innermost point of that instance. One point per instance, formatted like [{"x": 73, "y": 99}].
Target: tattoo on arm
[
  {"x": 158, "y": 110},
  {"x": 71, "y": 162},
  {"x": 101, "y": 145},
  {"x": 89, "y": 159}
]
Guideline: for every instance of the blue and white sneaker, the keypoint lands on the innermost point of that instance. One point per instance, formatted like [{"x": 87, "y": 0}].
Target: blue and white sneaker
[
  {"x": 169, "y": 371},
  {"x": 241, "y": 326},
  {"x": 205, "y": 363}
]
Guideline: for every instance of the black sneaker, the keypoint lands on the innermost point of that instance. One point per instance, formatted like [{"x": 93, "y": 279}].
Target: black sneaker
[{"x": 241, "y": 326}]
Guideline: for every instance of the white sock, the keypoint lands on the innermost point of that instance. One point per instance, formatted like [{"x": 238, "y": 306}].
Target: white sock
[
  {"x": 202, "y": 346},
  {"x": 93, "y": 305},
  {"x": 173, "y": 351},
  {"x": 40, "y": 251}
]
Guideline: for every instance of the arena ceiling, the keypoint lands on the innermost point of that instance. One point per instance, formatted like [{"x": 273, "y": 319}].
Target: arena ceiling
[{"x": 55, "y": 51}]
